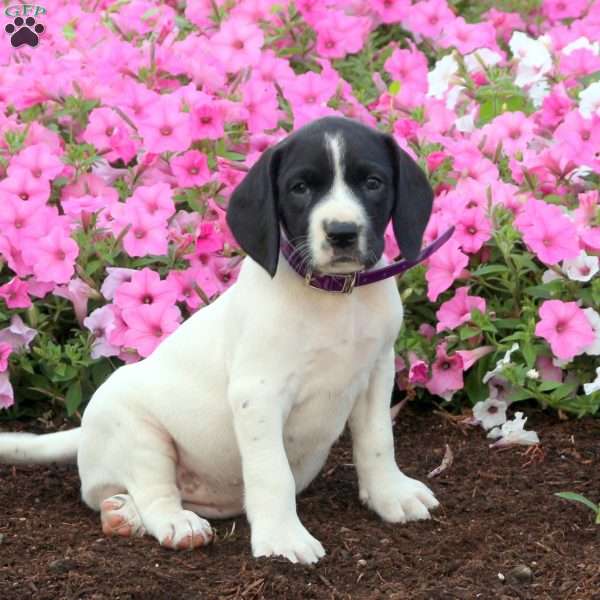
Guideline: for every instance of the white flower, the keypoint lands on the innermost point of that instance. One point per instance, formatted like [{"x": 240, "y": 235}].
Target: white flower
[
  {"x": 581, "y": 42},
  {"x": 442, "y": 76},
  {"x": 582, "y": 268},
  {"x": 533, "y": 58},
  {"x": 532, "y": 374},
  {"x": 513, "y": 433},
  {"x": 589, "y": 100},
  {"x": 483, "y": 55},
  {"x": 594, "y": 319},
  {"x": 465, "y": 124},
  {"x": 549, "y": 275},
  {"x": 538, "y": 91},
  {"x": 593, "y": 386},
  {"x": 500, "y": 364},
  {"x": 490, "y": 413}
]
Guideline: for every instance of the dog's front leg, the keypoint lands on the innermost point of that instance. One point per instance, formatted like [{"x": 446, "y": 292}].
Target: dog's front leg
[
  {"x": 269, "y": 486},
  {"x": 383, "y": 487}
]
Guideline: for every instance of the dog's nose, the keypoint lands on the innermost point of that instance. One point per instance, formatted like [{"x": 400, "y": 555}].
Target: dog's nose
[{"x": 341, "y": 235}]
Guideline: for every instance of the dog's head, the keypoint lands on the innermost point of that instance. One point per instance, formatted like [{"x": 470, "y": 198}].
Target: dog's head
[{"x": 332, "y": 186}]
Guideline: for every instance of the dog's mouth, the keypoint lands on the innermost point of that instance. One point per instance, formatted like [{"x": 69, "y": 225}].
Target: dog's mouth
[{"x": 343, "y": 263}]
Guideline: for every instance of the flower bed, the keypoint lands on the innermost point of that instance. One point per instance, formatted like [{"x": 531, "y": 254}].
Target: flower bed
[{"x": 126, "y": 128}]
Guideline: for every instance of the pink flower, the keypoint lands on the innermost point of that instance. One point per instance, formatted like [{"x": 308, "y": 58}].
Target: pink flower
[
  {"x": 5, "y": 352},
  {"x": 184, "y": 283},
  {"x": 166, "y": 129},
  {"x": 191, "y": 169},
  {"x": 339, "y": 34},
  {"x": 101, "y": 323},
  {"x": 145, "y": 287},
  {"x": 548, "y": 232},
  {"x": 15, "y": 293},
  {"x": 17, "y": 334},
  {"x": 418, "y": 373},
  {"x": 565, "y": 327},
  {"x": 556, "y": 10},
  {"x": 207, "y": 117},
  {"x": 446, "y": 373},
  {"x": 467, "y": 37},
  {"x": 7, "y": 398},
  {"x": 409, "y": 68},
  {"x": 154, "y": 200},
  {"x": 148, "y": 325},
  {"x": 392, "y": 11},
  {"x": 470, "y": 357},
  {"x": 53, "y": 257},
  {"x": 78, "y": 292},
  {"x": 38, "y": 161},
  {"x": 547, "y": 369},
  {"x": 146, "y": 235},
  {"x": 103, "y": 125},
  {"x": 116, "y": 276},
  {"x": 473, "y": 229},
  {"x": 23, "y": 186},
  {"x": 262, "y": 109},
  {"x": 457, "y": 310},
  {"x": 237, "y": 45},
  {"x": 444, "y": 267},
  {"x": 555, "y": 107},
  {"x": 20, "y": 219},
  {"x": 429, "y": 18}
]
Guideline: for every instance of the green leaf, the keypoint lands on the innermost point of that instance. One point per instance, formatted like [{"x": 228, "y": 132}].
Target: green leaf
[
  {"x": 564, "y": 390},
  {"x": 468, "y": 332},
  {"x": 520, "y": 394},
  {"x": 394, "y": 87},
  {"x": 487, "y": 269},
  {"x": 73, "y": 398},
  {"x": 579, "y": 498},
  {"x": 546, "y": 386}
]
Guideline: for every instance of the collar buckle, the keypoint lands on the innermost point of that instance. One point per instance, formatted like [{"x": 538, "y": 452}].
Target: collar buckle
[{"x": 347, "y": 287}]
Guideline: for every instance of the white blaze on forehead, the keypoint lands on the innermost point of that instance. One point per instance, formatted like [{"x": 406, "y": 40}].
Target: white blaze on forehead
[{"x": 339, "y": 204}]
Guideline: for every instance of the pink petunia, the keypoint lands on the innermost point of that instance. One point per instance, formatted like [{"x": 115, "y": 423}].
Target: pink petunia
[
  {"x": 7, "y": 398},
  {"x": 53, "y": 256},
  {"x": 103, "y": 125},
  {"x": 457, "y": 310},
  {"x": 15, "y": 293},
  {"x": 191, "y": 169},
  {"x": 148, "y": 325},
  {"x": 166, "y": 129},
  {"x": 548, "y": 232},
  {"x": 38, "y": 161},
  {"x": 418, "y": 373},
  {"x": 78, "y": 292},
  {"x": 444, "y": 267},
  {"x": 154, "y": 200},
  {"x": 237, "y": 44},
  {"x": 446, "y": 373},
  {"x": 145, "y": 287},
  {"x": 101, "y": 323},
  {"x": 473, "y": 229},
  {"x": 23, "y": 186},
  {"x": 17, "y": 334},
  {"x": 260, "y": 103},
  {"x": 565, "y": 327},
  {"x": 146, "y": 234},
  {"x": 5, "y": 352}
]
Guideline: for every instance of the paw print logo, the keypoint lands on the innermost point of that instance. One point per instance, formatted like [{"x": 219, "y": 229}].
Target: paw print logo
[{"x": 24, "y": 31}]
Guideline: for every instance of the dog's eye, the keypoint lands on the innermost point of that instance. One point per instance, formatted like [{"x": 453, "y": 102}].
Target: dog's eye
[
  {"x": 300, "y": 188},
  {"x": 373, "y": 183}
]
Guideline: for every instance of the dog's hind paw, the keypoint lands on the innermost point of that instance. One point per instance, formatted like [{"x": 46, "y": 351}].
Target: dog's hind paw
[
  {"x": 120, "y": 516},
  {"x": 184, "y": 531}
]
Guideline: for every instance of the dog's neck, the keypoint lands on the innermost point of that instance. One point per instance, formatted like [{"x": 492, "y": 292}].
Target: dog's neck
[{"x": 345, "y": 283}]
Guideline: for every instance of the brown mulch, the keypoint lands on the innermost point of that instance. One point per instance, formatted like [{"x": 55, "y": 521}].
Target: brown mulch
[{"x": 499, "y": 516}]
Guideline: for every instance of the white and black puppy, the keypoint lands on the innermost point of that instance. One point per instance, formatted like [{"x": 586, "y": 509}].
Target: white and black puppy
[{"x": 238, "y": 408}]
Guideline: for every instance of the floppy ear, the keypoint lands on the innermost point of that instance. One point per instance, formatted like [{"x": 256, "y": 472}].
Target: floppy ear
[
  {"x": 253, "y": 214},
  {"x": 412, "y": 203}
]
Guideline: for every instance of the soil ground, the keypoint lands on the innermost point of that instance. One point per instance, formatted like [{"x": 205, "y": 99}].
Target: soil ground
[{"x": 499, "y": 515}]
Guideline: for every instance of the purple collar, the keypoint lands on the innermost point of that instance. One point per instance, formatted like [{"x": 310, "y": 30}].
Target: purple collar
[{"x": 344, "y": 284}]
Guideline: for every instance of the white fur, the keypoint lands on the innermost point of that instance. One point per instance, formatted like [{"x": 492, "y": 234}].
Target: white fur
[
  {"x": 238, "y": 409},
  {"x": 340, "y": 204}
]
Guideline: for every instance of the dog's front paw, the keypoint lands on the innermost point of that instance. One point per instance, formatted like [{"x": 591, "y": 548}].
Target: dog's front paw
[
  {"x": 401, "y": 499},
  {"x": 291, "y": 540}
]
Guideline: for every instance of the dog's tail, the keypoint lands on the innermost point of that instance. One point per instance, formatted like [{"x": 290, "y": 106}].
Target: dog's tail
[{"x": 23, "y": 448}]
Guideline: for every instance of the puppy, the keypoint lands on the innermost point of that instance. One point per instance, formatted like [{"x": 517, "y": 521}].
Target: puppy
[{"x": 238, "y": 408}]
